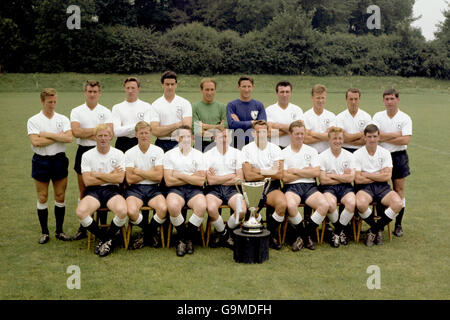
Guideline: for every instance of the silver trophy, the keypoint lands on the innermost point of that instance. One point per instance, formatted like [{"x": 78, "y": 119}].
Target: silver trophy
[{"x": 254, "y": 194}]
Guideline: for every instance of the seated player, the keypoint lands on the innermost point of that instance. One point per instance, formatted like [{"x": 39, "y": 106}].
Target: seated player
[
  {"x": 103, "y": 169},
  {"x": 373, "y": 165},
  {"x": 337, "y": 172},
  {"x": 263, "y": 159},
  {"x": 184, "y": 174},
  {"x": 144, "y": 171},
  {"x": 301, "y": 167},
  {"x": 224, "y": 165}
]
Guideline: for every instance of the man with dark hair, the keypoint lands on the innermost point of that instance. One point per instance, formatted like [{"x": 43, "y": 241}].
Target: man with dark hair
[
  {"x": 263, "y": 159},
  {"x": 395, "y": 133},
  {"x": 281, "y": 114},
  {"x": 353, "y": 121},
  {"x": 169, "y": 112},
  {"x": 373, "y": 170},
  {"x": 242, "y": 112},
  {"x": 207, "y": 115},
  {"x": 49, "y": 131},
  {"x": 127, "y": 113}
]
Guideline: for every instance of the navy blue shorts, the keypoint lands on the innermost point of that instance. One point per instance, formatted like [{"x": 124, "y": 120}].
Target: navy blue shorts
[
  {"x": 377, "y": 190},
  {"x": 303, "y": 190},
  {"x": 400, "y": 162},
  {"x": 46, "y": 168},
  {"x": 102, "y": 193},
  {"x": 80, "y": 151},
  {"x": 338, "y": 190},
  {"x": 224, "y": 193},
  {"x": 145, "y": 192},
  {"x": 187, "y": 191},
  {"x": 352, "y": 150},
  {"x": 124, "y": 143},
  {"x": 166, "y": 145}
]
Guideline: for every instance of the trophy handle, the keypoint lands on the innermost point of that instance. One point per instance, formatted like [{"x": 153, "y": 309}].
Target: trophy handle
[
  {"x": 268, "y": 185},
  {"x": 237, "y": 183}
]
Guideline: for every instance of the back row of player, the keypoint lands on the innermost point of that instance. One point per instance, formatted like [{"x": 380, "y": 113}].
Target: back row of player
[{"x": 171, "y": 111}]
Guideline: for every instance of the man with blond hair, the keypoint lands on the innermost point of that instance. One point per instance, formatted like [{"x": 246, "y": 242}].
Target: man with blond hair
[
  {"x": 144, "y": 171},
  {"x": 103, "y": 169},
  {"x": 49, "y": 131}
]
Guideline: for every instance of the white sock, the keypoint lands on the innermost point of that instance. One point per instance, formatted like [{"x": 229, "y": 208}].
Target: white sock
[
  {"x": 178, "y": 220},
  {"x": 196, "y": 220},
  {"x": 345, "y": 217},
  {"x": 334, "y": 216},
  {"x": 295, "y": 220},
  {"x": 390, "y": 213},
  {"x": 219, "y": 225},
  {"x": 60, "y": 204},
  {"x": 138, "y": 220},
  {"x": 277, "y": 217},
  {"x": 232, "y": 222},
  {"x": 366, "y": 214},
  {"x": 158, "y": 219},
  {"x": 86, "y": 222},
  {"x": 42, "y": 206},
  {"x": 119, "y": 222},
  {"x": 403, "y": 202},
  {"x": 317, "y": 218}
]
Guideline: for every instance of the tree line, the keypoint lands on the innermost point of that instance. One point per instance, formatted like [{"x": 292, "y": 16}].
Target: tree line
[{"x": 314, "y": 37}]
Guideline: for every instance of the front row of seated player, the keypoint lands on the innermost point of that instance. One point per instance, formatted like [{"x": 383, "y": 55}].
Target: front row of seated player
[{"x": 167, "y": 182}]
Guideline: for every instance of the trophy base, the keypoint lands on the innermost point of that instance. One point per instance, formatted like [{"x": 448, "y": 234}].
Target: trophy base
[
  {"x": 251, "y": 247},
  {"x": 252, "y": 229}
]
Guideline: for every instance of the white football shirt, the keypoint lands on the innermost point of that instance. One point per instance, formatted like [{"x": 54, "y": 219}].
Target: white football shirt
[
  {"x": 126, "y": 114},
  {"x": 224, "y": 164},
  {"x": 352, "y": 124},
  {"x": 321, "y": 124},
  {"x": 262, "y": 159},
  {"x": 307, "y": 156},
  {"x": 135, "y": 158},
  {"x": 167, "y": 113},
  {"x": 367, "y": 163},
  {"x": 401, "y": 122},
  {"x": 187, "y": 164},
  {"x": 285, "y": 116},
  {"x": 90, "y": 118},
  {"x": 331, "y": 164},
  {"x": 94, "y": 161},
  {"x": 57, "y": 124}
]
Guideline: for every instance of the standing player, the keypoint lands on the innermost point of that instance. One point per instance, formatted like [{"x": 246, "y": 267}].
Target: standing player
[
  {"x": 184, "y": 174},
  {"x": 395, "y": 133},
  {"x": 83, "y": 121},
  {"x": 129, "y": 112},
  {"x": 169, "y": 112},
  {"x": 353, "y": 121},
  {"x": 263, "y": 159},
  {"x": 281, "y": 114},
  {"x": 207, "y": 115},
  {"x": 224, "y": 165},
  {"x": 103, "y": 168},
  {"x": 373, "y": 167},
  {"x": 243, "y": 112},
  {"x": 144, "y": 171},
  {"x": 48, "y": 132},
  {"x": 301, "y": 167},
  {"x": 337, "y": 172},
  {"x": 318, "y": 120}
]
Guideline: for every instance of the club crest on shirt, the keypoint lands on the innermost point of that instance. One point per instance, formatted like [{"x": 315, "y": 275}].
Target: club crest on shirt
[
  {"x": 152, "y": 161},
  {"x": 194, "y": 165},
  {"x": 101, "y": 116},
  {"x": 233, "y": 163},
  {"x": 380, "y": 161},
  {"x": 398, "y": 125},
  {"x": 307, "y": 157},
  {"x": 254, "y": 114},
  {"x": 345, "y": 165},
  {"x": 327, "y": 122},
  {"x": 140, "y": 116},
  {"x": 59, "y": 125},
  {"x": 113, "y": 162},
  {"x": 293, "y": 116},
  {"x": 362, "y": 124},
  {"x": 179, "y": 113}
]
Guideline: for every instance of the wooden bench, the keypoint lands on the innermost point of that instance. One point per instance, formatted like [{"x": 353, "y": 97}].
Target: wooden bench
[
  {"x": 130, "y": 227},
  {"x": 96, "y": 217},
  {"x": 377, "y": 217}
]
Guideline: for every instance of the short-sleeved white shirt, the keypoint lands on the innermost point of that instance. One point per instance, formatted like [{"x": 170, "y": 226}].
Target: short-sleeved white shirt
[
  {"x": 400, "y": 122},
  {"x": 285, "y": 116},
  {"x": 90, "y": 118},
  {"x": 364, "y": 162},
  {"x": 320, "y": 123},
  {"x": 262, "y": 159},
  {"x": 167, "y": 113},
  {"x": 135, "y": 158},
  {"x": 307, "y": 156},
  {"x": 57, "y": 124},
  {"x": 126, "y": 114},
  {"x": 224, "y": 164},
  {"x": 331, "y": 164},
  {"x": 352, "y": 124},
  {"x": 194, "y": 161},
  {"x": 94, "y": 161}
]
